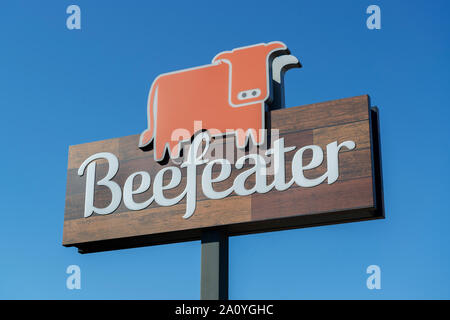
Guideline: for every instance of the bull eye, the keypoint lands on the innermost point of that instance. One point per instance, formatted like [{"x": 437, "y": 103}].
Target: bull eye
[{"x": 249, "y": 94}]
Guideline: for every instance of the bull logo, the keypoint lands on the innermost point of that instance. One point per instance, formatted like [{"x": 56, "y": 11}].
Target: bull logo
[{"x": 233, "y": 92}]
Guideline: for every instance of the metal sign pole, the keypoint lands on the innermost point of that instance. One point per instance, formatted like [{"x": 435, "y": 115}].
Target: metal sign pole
[{"x": 214, "y": 267}]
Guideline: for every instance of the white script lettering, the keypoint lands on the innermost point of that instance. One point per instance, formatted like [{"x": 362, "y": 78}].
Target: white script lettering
[{"x": 196, "y": 157}]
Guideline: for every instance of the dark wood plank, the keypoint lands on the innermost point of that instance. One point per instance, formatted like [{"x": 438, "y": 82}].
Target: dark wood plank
[
  {"x": 157, "y": 220},
  {"x": 340, "y": 196},
  {"x": 323, "y": 114}
]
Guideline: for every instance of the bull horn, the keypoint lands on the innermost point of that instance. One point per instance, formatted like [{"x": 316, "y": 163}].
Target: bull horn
[
  {"x": 283, "y": 63},
  {"x": 280, "y": 65}
]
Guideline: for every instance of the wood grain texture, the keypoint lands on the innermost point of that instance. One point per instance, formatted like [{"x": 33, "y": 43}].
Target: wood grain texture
[
  {"x": 319, "y": 115},
  {"x": 158, "y": 220},
  {"x": 340, "y": 196},
  {"x": 350, "y": 198}
]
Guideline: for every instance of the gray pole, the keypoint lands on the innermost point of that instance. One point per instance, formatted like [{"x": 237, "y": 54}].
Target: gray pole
[{"x": 214, "y": 268}]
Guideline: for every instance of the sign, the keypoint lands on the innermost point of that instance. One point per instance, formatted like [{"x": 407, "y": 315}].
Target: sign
[{"x": 220, "y": 151}]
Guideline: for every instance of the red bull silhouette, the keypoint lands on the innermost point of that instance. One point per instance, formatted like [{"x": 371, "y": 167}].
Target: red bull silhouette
[{"x": 230, "y": 95}]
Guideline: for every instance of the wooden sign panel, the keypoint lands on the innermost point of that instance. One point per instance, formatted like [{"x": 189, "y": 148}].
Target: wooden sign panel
[{"x": 355, "y": 195}]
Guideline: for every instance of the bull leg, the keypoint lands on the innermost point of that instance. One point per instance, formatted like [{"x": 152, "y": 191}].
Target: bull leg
[
  {"x": 174, "y": 149},
  {"x": 241, "y": 137},
  {"x": 257, "y": 135},
  {"x": 159, "y": 149},
  {"x": 146, "y": 138},
  {"x": 254, "y": 135}
]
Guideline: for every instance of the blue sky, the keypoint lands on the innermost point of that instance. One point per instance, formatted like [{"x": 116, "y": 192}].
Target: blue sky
[{"x": 60, "y": 87}]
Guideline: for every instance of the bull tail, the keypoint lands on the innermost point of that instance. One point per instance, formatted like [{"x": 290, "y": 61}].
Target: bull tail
[{"x": 148, "y": 135}]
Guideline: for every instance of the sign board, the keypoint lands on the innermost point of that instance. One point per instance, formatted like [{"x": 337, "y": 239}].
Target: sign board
[{"x": 318, "y": 164}]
